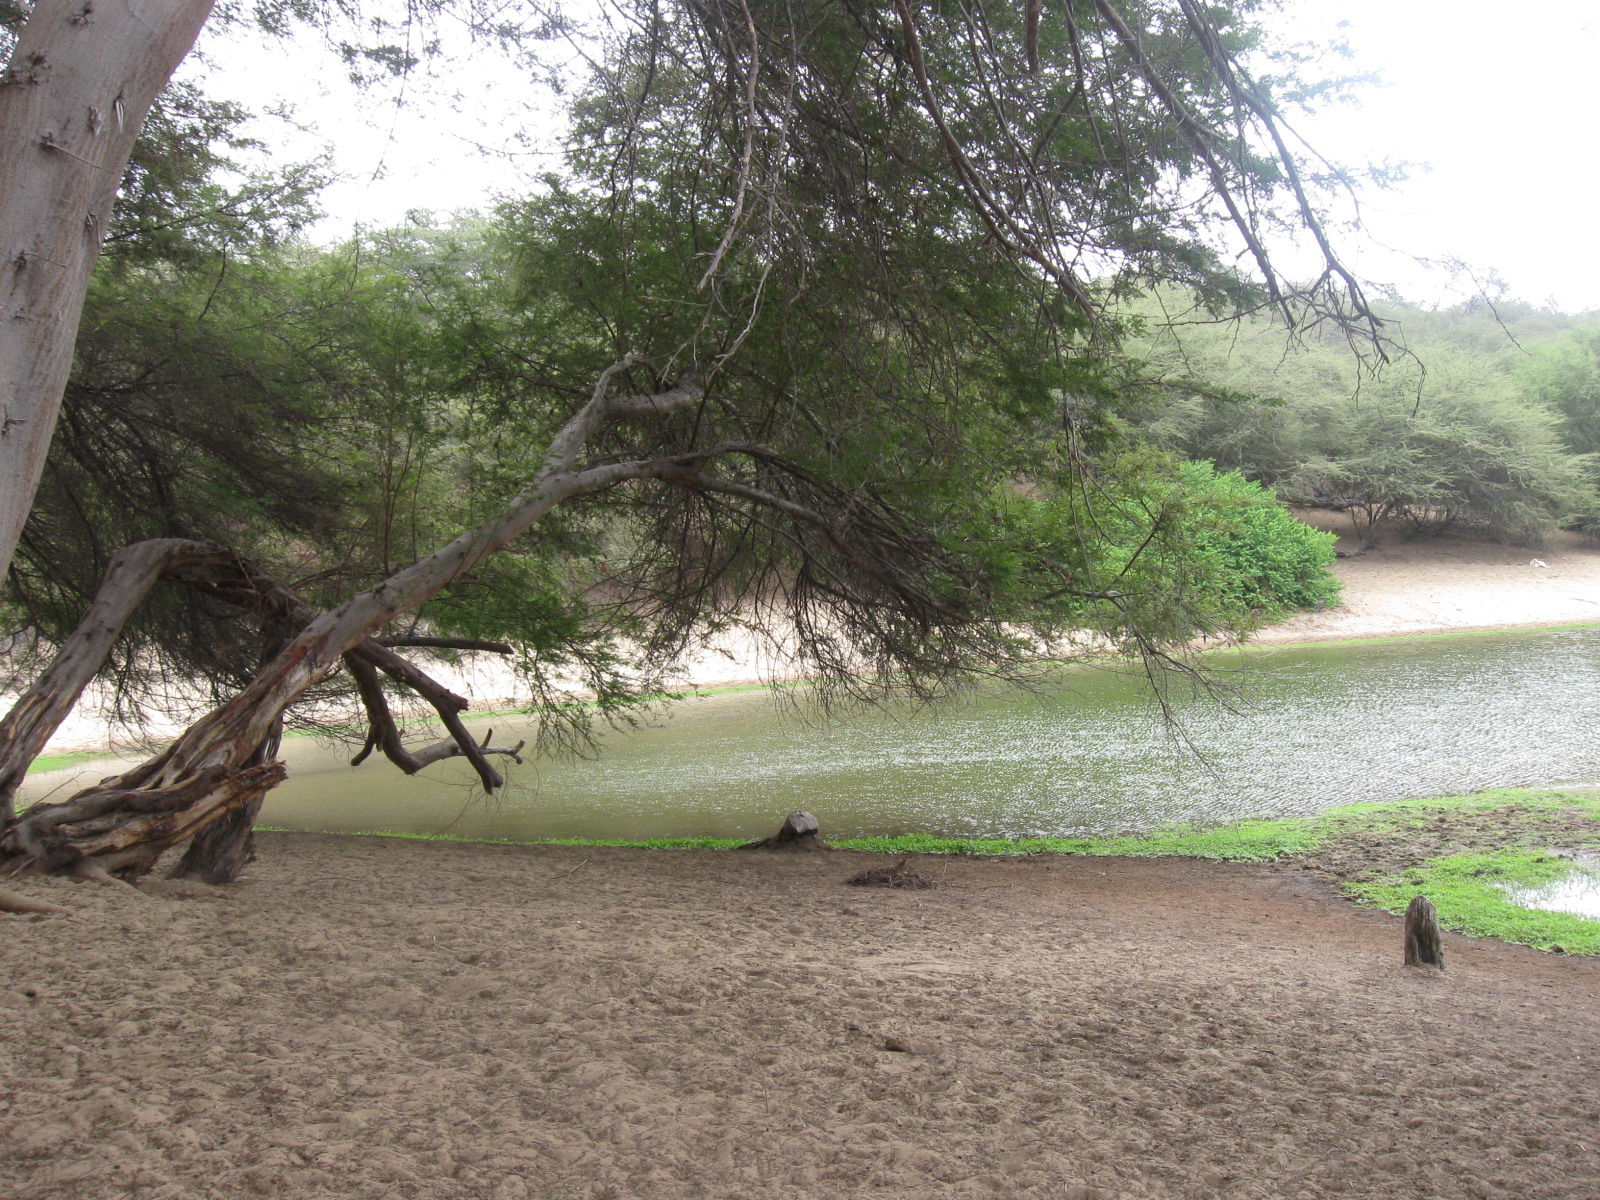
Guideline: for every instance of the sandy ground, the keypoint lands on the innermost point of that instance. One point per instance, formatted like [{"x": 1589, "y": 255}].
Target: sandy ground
[
  {"x": 1452, "y": 583},
  {"x": 373, "y": 1018}
]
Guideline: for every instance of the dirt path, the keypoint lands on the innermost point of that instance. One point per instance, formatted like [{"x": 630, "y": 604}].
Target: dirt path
[{"x": 366, "y": 1018}]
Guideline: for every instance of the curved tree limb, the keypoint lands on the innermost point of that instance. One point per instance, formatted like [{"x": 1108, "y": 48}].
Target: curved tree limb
[
  {"x": 207, "y": 773},
  {"x": 384, "y": 733},
  {"x": 38, "y": 713}
]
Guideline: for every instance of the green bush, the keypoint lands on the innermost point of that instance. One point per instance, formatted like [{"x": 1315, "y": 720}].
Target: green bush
[
  {"x": 1262, "y": 559},
  {"x": 1461, "y": 426}
]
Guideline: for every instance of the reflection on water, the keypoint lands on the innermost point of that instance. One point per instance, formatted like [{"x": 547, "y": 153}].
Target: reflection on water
[
  {"x": 1577, "y": 893},
  {"x": 1311, "y": 728}
]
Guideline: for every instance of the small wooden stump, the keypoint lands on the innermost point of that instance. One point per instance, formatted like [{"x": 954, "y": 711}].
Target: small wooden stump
[
  {"x": 1422, "y": 935},
  {"x": 799, "y": 831}
]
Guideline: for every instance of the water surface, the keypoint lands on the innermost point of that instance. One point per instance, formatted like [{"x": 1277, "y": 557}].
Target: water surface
[
  {"x": 1310, "y": 728},
  {"x": 1577, "y": 893}
]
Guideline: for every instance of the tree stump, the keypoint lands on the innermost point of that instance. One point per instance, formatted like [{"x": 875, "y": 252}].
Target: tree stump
[
  {"x": 1422, "y": 935},
  {"x": 799, "y": 831}
]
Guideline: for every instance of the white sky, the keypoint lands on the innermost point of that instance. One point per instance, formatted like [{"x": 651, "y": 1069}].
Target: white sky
[
  {"x": 1499, "y": 108},
  {"x": 1496, "y": 111}
]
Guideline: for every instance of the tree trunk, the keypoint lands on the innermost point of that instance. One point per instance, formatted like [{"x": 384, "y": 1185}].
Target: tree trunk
[
  {"x": 123, "y": 825},
  {"x": 1423, "y": 948},
  {"x": 72, "y": 100},
  {"x": 799, "y": 831},
  {"x": 225, "y": 847}
]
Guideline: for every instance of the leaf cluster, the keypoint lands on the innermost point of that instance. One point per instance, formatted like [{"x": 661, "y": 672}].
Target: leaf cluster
[{"x": 881, "y": 246}]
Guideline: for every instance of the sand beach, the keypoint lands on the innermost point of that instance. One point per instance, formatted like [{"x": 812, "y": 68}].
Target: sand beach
[{"x": 378, "y": 1019}]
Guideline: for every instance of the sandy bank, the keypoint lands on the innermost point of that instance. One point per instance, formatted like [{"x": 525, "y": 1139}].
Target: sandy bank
[
  {"x": 369, "y": 1019},
  {"x": 1451, "y": 583}
]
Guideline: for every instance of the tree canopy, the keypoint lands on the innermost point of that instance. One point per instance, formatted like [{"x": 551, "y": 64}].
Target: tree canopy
[
  {"x": 816, "y": 333},
  {"x": 1468, "y": 426}
]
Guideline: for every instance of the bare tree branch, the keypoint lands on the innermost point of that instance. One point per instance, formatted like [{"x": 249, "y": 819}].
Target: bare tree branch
[{"x": 422, "y": 641}]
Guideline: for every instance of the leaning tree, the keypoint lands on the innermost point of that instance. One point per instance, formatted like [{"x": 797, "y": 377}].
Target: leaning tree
[{"x": 836, "y": 277}]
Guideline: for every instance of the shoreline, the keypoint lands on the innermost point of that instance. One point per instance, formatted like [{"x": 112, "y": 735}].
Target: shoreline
[
  {"x": 62, "y": 750},
  {"x": 481, "y": 1022},
  {"x": 1454, "y": 584},
  {"x": 1373, "y": 854}
]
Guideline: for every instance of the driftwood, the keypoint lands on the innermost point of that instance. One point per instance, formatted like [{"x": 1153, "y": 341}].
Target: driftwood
[
  {"x": 897, "y": 876},
  {"x": 12, "y": 902},
  {"x": 799, "y": 831},
  {"x": 1422, "y": 935}
]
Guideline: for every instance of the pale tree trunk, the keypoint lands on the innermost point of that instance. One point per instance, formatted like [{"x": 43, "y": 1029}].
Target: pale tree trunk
[{"x": 72, "y": 99}]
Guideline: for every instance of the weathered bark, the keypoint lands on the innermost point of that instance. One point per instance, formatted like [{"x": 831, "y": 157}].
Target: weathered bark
[
  {"x": 225, "y": 847},
  {"x": 39, "y": 712},
  {"x": 124, "y": 824},
  {"x": 1423, "y": 948},
  {"x": 72, "y": 99}
]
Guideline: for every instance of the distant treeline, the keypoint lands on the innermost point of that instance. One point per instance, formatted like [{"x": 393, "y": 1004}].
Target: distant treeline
[{"x": 1485, "y": 414}]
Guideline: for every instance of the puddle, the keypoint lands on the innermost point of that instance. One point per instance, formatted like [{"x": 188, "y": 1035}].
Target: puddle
[{"x": 1577, "y": 893}]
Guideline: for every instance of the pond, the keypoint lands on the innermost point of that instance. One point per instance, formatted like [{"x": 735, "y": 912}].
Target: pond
[
  {"x": 1577, "y": 892},
  {"x": 1309, "y": 728}
]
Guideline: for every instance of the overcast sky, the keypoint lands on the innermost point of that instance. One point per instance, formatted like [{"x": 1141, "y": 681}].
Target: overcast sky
[
  {"x": 1495, "y": 115},
  {"x": 1499, "y": 111}
]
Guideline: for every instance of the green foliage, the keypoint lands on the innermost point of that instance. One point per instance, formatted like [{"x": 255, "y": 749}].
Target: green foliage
[
  {"x": 1242, "y": 841},
  {"x": 184, "y": 199},
  {"x": 1470, "y": 892},
  {"x": 1448, "y": 432},
  {"x": 676, "y": 843},
  {"x": 1493, "y": 840},
  {"x": 867, "y": 249},
  {"x": 1383, "y": 816},
  {"x": 1152, "y": 549},
  {"x": 60, "y": 762},
  {"x": 1564, "y": 375},
  {"x": 1468, "y": 449},
  {"x": 1262, "y": 559}
]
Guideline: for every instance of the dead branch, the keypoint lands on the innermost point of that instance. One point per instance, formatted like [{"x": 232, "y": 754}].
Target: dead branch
[
  {"x": 384, "y": 731},
  {"x": 418, "y": 641},
  {"x": 15, "y": 902}
]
